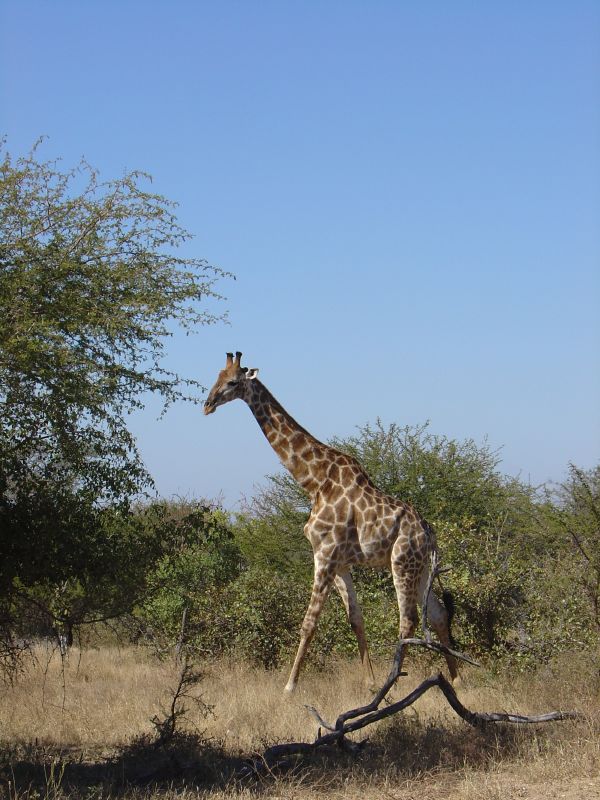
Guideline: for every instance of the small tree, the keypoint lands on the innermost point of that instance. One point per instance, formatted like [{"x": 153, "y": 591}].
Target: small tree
[
  {"x": 198, "y": 558},
  {"x": 99, "y": 558}
]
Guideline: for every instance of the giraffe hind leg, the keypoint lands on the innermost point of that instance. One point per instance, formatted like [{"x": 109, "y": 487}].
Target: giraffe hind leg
[{"x": 345, "y": 587}]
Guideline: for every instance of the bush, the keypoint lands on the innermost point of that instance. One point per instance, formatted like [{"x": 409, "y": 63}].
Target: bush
[
  {"x": 198, "y": 558},
  {"x": 266, "y": 611}
]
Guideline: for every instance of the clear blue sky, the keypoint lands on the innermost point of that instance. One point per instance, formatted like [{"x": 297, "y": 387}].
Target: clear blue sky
[{"x": 408, "y": 194}]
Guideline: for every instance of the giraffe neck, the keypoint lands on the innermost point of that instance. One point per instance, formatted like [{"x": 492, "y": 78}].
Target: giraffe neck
[{"x": 297, "y": 449}]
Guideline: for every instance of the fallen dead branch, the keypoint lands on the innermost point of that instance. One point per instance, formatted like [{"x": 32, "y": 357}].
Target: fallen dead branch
[{"x": 277, "y": 755}]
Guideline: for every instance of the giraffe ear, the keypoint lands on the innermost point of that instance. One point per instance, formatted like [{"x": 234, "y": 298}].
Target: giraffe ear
[{"x": 251, "y": 374}]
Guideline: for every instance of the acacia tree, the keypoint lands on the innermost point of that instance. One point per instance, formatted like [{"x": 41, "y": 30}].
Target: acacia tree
[{"x": 91, "y": 284}]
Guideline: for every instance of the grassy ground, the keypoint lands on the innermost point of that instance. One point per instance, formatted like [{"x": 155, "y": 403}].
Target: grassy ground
[{"x": 86, "y": 731}]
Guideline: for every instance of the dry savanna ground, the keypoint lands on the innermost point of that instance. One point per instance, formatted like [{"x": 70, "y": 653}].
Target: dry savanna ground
[{"x": 85, "y": 731}]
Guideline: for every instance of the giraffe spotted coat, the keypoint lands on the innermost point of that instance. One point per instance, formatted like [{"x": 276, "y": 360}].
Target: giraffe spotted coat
[{"x": 352, "y": 523}]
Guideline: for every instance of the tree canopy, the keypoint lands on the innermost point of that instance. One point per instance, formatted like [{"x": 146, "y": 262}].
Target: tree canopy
[{"x": 90, "y": 287}]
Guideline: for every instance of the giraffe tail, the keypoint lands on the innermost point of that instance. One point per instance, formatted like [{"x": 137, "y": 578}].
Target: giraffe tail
[{"x": 448, "y": 601}]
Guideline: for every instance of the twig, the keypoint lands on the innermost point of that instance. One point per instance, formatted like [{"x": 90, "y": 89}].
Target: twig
[{"x": 437, "y": 647}]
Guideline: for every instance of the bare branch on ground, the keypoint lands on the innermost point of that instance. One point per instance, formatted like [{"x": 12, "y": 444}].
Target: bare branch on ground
[{"x": 275, "y": 756}]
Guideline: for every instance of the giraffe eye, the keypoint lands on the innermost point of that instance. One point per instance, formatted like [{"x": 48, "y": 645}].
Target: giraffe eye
[{"x": 232, "y": 383}]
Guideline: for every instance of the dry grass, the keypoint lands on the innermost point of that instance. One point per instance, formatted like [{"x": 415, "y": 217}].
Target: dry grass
[{"x": 94, "y": 717}]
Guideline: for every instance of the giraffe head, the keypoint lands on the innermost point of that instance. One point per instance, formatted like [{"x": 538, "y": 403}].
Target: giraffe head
[{"x": 230, "y": 384}]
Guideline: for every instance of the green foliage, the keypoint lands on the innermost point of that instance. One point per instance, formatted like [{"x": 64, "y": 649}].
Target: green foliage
[
  {"x": 89, "y": 288},
  {"x": 198, "y": 557},
  {"x": 274, "y": 542},
  {"x": 99, "y": 558},
  {"x": 577, "y": 515},
  {"x": 557, "y": 618},
  {"x": 522, "y": 584},
  {"x": 564, "y": 583},
  {"x": 487, "y": 582},
  {"x": 265, "y": 611}
]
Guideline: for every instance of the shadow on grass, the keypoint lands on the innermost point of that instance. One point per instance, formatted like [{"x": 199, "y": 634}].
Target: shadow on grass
[
  {"x": 187, "y": 760},
  {"x": 404, "y": 750},
  {"x": 401, "y": 749}
]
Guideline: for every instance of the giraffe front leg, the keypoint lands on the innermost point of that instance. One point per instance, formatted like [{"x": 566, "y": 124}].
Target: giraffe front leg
[
  {"x": 321, "y": 586},
  {"x": 345, "y": 586}
]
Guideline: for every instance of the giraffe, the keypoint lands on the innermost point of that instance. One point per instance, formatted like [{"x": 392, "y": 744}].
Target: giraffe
[{"x": 352, "y": 522}]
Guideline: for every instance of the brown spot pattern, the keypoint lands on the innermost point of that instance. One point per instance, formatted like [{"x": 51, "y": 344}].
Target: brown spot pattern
[{"x": 352, "y": 522}]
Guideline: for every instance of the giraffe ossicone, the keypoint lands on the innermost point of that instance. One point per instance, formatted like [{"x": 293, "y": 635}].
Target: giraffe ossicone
[{"x": 352, "y": 522}]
